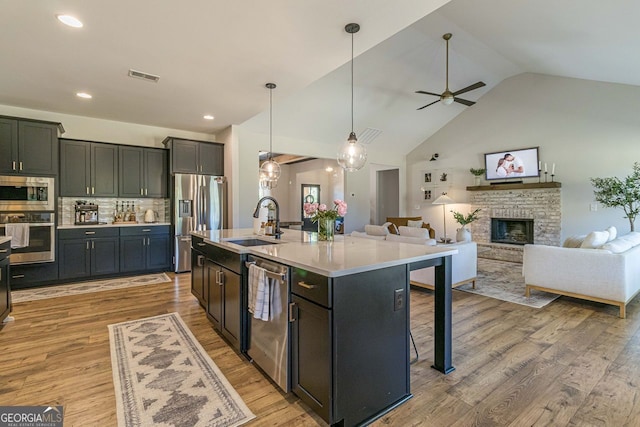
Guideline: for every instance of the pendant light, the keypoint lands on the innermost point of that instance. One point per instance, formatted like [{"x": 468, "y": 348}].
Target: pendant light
[
  {"x": 352, "y": 155},
  {"x": 270, "y": 169}
]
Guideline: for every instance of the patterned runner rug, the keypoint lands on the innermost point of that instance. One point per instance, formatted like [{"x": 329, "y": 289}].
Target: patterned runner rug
[
  {"x": 504, "y": 281},
  {"x": 45, "y": 292},
  {"x": 163, "y": 376}
]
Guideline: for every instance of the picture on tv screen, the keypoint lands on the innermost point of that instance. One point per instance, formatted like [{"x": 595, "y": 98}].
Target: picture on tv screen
[{"x": 520, "y": 163}]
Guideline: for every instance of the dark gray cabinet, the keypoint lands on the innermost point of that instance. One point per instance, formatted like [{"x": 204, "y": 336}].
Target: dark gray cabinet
[
  {"x": 223, "y": 303},
  {"x": 189, "y": 156},
  {"x": 199, "y": 284},
  {"x": 32, "y": 275},
  {"x": 28, "y": 147},
  {"x": 143, "y": 172},
  {"x": 5, "y": 287},
  {"x": 88, "y": 169},
  {"x": 145, "y": 249},
  {"x": 88, "y": 252}
]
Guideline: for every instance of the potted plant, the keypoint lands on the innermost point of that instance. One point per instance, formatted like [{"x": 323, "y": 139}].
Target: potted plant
[
  {"x": 620, "y": 193},
  {"x": 463, "y": 234},
  {"x": 477, "y": 173}
]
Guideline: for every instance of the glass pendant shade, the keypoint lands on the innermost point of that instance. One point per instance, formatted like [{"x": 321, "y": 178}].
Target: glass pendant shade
[
  {"x": 352, "y": 155},
  {"x": 269, "y": 174}
]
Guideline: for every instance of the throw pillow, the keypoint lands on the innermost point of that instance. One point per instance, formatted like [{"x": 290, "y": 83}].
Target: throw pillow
[
  {"x": 414, "y": 240},
  {"x": 376, "y": 230},
  {"x": 613, "y": 232},
  {"x": 422, "y": 233},
  {"x": 617, "y": 246},
  {"x": 595, "y": 239},
  {"x": 415, "y": 224},
  {"x": 633, "y": 238},
  {"x": 573, "y": 241}
]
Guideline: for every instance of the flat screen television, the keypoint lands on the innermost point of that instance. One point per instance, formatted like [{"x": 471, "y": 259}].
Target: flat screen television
[{"x": 512, "y": 164}]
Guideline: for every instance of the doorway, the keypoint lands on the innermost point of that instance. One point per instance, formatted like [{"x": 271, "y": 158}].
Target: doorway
[
  {"x": 310, "y": 194},
  {"x": 388, "y": 197}
]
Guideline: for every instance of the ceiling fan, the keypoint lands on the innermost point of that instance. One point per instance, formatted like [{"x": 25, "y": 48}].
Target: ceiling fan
[{"x": 447, "y": 97}]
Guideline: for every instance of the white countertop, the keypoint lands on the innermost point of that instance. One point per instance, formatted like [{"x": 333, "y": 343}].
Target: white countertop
[
  {"x": 345, "y": 255},
  {"x": 111, "y": 224},
  {"x": 4, "y": 239}
]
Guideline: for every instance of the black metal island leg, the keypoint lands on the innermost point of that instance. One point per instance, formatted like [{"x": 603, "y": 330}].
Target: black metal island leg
[{"x": 443, "y": 317}]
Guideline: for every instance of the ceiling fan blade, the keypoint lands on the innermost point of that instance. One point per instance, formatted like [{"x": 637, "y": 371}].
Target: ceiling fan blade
[
  {"x": 434, "y": 102},
  {"x": 428, "y": 93},
  {"x": 464, "y": 101},
  {"x": 469, "y": 88}
]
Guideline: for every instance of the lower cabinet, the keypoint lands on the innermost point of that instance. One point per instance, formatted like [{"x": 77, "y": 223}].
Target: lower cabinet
[
  {"x": 199, "y": 287},
  {"x": 5, "y": 288},
  {"x": 88, "y": 252},
  {"x": 224, "y": 306},
  {"x": 144, "y": 249}
]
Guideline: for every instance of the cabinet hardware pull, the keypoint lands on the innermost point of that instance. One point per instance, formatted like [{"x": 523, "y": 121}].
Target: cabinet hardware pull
[
  {"x": 18, "y": 276},
  {"x": 148, "y": 241},
  {"x": 142, "y": 192},
  {"x": 146, "y": 230},
  {"x": 14, "y": 165},
  {"x": 87, "y": 245},
  {"x": 20, "y": 165},
  {"x": 306, "y": 286},
  {"x": 200, "y": 260},
  {"x": 200, "y": 244},
  {"x": 87, "y": 190},
  {"x": 292, "y": 317},
  {"x": 89, "y": 232},
  {"x": 146, "y": 191},
  {"x": 4, "y": 251},
  {"x": 93, "y": 190},
  {"x": 93, "y": 245}
]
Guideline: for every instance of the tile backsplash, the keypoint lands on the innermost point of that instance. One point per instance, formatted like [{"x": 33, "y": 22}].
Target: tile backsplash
[{"x": 107, "y": 206}]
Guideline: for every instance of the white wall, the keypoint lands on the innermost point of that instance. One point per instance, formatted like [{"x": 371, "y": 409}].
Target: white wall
[
  {"x": 88, "y": 128},
  {"x": 587, "y": 128}
]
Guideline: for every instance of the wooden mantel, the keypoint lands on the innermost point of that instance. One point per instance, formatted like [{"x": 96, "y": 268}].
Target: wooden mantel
[{"x": 520, "y": 186}]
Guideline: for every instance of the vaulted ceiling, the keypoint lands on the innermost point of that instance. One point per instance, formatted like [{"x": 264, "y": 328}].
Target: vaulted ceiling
[{"x": 214, "y": 57}]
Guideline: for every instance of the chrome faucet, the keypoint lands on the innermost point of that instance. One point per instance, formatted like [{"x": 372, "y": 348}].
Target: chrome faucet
[{"x": 256, "y": 214}]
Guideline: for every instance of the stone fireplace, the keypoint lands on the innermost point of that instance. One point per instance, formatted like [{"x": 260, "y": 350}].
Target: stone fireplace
[{"x": 531, "y": 209}]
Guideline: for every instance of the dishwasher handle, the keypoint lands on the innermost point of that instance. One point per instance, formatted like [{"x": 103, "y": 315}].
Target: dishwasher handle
[{"x": 293, "y": 312}]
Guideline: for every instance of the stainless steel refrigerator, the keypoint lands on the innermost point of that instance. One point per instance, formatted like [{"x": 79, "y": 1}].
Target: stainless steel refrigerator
[{"x": 199, "y": 204}]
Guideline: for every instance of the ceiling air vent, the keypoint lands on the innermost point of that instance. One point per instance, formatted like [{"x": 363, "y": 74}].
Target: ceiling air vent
[
  {"x": 144, "y": 76},
  {"x": 368, "y": 135}
]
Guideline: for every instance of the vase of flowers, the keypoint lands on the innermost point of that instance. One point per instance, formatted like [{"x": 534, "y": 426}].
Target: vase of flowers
[
  {"x": 463, "y": 234},
  {"x": 477, "y": 173},
  {"x": 325, "y": 217}
]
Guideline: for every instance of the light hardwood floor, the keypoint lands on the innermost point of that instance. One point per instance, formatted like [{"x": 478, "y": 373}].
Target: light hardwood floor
[{"x": 572, "y": 363}]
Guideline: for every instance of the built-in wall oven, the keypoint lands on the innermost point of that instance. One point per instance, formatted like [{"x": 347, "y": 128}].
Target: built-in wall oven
[
  {"x": 33, "y": 236},
  {"x": 26, "y": 193}
]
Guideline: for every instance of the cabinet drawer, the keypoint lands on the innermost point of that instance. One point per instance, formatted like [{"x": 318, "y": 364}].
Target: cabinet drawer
[
  {"x": 4, "y": 249},
  {"x": 89, "y": 233},
  {"x": 150, "y": 229},
  {"x": 312, "y": 286},
  {"x": 27, "y": 275},
  {"x": 198, "y": 243},
  {"x": 225, "y": 258}
]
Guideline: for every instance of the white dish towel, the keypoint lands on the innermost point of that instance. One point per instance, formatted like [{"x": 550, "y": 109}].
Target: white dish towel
[
  {"x": 258, "y": 285},
  {"x": 19, "y": 234}
]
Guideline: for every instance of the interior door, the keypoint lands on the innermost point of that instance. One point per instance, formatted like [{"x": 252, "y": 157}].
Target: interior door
[{"x": 310, "y": 194}]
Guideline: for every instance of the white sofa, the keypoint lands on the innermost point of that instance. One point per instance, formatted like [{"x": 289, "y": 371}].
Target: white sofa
[
  {"x": 464, "y": 264},
  {"x": 608, "y": 273}
]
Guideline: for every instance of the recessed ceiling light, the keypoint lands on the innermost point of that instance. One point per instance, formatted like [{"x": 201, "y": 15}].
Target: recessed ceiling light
[
  {"x": 69, "y": 20},
  {"x": 208, "y": 117},
  {"x": 84, "y": 95}
]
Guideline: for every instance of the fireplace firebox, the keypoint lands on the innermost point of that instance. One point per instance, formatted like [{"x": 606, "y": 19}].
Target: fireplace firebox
[{"x": 514, "y": 231}]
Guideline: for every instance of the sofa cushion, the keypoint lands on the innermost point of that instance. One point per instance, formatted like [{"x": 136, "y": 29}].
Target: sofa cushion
[
  {"x": 613, "y": 232},
  {"x": 377, "y": 230},
  {"x": 617, "y": 246},
  {"x": 414, "y": 240},
  {"x": 421, "y": 233},
  {"x": 362, "y": 235},
  {"x": 633, "y": 238},
  {"x": 573, "y": 241},
  {"x": 595, "y": 239},
  {"x": 416, "y": 224}
]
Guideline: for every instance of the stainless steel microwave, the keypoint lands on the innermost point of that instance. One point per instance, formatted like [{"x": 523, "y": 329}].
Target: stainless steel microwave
[{"x": 26, "y": 193}]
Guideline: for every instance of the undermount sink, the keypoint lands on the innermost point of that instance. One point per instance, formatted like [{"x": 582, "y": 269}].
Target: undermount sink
[{"x": 251, "y": 242}]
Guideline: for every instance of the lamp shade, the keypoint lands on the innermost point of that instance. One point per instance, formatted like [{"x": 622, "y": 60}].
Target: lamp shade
[
  {"x": 352, "y": 155},
  {"x": 443, "y": 200}
]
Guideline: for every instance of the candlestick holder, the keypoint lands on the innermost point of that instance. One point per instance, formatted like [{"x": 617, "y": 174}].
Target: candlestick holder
[
  {"x": 539, "y": 176},
  {"x": 545, "y": 176},
  {"x": 552, "y": 175}
]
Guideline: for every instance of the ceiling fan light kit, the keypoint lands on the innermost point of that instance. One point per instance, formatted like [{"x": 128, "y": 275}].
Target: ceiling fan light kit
[
  {"x": 352, "y": 155},
  {"x": 447, "y": 97},
  {"x": 270, "y": 169}
]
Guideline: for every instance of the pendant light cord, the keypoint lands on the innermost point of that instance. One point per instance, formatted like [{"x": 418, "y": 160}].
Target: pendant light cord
[
  {"x": 352, "y": 82},
  {"x": 270, "y": 124}
]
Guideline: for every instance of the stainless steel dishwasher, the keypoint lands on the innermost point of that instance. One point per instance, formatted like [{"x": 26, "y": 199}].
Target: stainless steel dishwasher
[{"x": 269, "y": 339}]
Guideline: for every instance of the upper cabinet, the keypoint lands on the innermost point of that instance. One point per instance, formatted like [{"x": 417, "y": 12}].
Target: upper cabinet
[
  {"x": 28, "y": 147},
  {"x": 143, "y": 172},
  {"x": 88, "y": 169},
  {"x": 188, "y": 156}
]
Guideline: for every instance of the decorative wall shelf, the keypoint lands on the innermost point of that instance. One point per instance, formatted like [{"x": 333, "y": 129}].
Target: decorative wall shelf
[{"x": 528, "y": 186}]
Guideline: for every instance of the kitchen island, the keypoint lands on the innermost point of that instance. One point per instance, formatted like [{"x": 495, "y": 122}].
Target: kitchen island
[{"x": 349, "y": 315}]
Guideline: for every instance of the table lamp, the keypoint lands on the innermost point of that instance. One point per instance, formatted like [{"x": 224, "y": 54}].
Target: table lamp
[{"x": 444, "y": 200}]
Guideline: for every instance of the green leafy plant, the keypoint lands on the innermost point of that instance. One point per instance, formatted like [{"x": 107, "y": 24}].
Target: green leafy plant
[
  {"x": 464, "y": 220},
  {"x": 623, "y": 193},
  {"x": 477, "y": 172}
]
